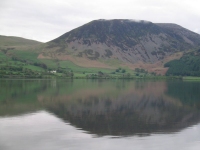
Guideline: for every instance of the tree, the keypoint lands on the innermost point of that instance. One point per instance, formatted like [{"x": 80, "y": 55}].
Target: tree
[
  {"x": 100, "y": 74},
  {"x": 123, "y": 70},
  {"x": 137, "y": 70}
]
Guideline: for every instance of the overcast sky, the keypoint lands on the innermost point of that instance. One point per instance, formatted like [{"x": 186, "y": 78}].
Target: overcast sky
[{"x": 44, "y": 20}]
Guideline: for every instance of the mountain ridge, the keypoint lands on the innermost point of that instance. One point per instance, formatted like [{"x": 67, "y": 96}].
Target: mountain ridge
[{"x": 126, "y": 40}]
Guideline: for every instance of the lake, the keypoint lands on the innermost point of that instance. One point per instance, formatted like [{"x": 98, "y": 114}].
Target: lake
[{"x": 99, "y": 114}]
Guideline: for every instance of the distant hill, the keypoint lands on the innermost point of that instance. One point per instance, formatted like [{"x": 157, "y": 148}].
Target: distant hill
[
  {"x": 9, "y": 43},
  {"x": 18, "y": 57},
  {"x": 126, "y": 40},
  {"x": 16, "y": 41}
]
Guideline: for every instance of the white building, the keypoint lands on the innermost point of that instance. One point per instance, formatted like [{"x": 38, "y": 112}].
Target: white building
[{"x": 53, "y": 71}]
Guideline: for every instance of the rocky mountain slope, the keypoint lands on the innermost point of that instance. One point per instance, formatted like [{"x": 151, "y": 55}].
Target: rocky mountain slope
[{"x": 126, "y": 41}]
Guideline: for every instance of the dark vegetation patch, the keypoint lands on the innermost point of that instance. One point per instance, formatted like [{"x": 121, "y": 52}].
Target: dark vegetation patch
[
  {"x": 108, "y": 53},
  {"x": 87, "y": 42},
  {"x": 39, "y": 64},
  {"x": 153, "y": 53},
  {"x": 61, "y": 49},
  {"x": 188, "y": 65},
  {"x": 147, "y": 54},
  {"x": 89, "y": 51},
  {"x": 90, "y": 54},
  {"x": 95, "y": 56},
  {"x": 5, "y": 50},
  {"x": 159, "y": 54},
  {"x": 80, "y": 54}
]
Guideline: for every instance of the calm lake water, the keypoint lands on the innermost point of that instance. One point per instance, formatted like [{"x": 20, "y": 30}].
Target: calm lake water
[{"x": 99, "y": 115}]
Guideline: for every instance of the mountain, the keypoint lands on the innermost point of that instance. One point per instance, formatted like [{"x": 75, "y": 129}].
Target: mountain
[{"x": 127, "y": 41}]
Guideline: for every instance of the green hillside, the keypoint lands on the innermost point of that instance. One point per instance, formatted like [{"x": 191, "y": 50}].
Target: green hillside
[
  {"x": 25, "y": 64},
  {"x": 19, "y": 59},
  {"x": 16, "y": 41},
  {"x": 188, "y": 65}
]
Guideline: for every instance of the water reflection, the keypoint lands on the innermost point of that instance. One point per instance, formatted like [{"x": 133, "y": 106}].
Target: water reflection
[
  {"x": 107, "y": 107},
  {"x": 44, "y": 131},
  {"x": 141, "y": 108}
]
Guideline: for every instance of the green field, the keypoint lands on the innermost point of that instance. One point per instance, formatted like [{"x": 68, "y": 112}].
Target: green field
[
  {"x": 12, "y": 62},
  {"x": 191, "y": 78}
]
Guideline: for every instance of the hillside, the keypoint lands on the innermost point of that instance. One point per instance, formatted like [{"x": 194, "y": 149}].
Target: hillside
[
  {"x": 16, "y": 41},
  {"x": 18, "y": 57},
  {"x": 8, "y": 43},
  {"x": 187, "y": 65},
  {"x": 125, "y": 40}
]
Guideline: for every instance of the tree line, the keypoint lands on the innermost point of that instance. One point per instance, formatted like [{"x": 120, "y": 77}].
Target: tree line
[{"x": 188, "y": 65}]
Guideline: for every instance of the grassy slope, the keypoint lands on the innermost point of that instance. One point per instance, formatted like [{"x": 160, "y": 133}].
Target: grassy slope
[
  {"x": 23, "y": 49},
  {"x": 52, "y": 64},
  {"x": 16, "y": 41},
  {"x": 2, "y": 55},
  {"x": 28, "y": 50}
]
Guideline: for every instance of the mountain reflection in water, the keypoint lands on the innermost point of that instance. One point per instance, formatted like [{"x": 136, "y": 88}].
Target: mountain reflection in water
[{"x": 116, "y": 108}]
